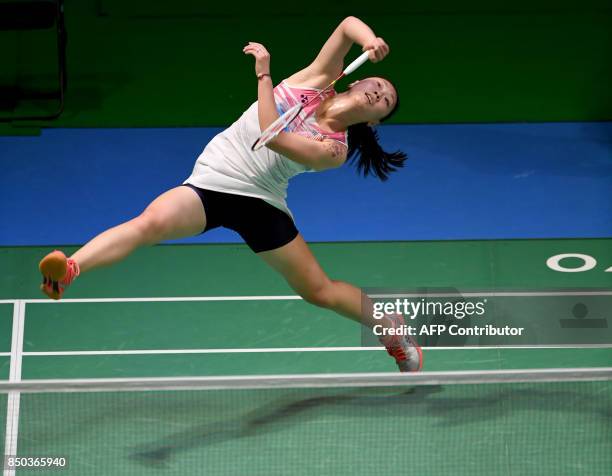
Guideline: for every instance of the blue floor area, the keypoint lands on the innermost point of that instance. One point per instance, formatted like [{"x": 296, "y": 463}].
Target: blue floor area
[{"x": 484, "y": 181}]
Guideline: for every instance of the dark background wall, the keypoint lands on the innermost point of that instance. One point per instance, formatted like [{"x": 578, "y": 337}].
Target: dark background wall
[{"x": 142, "y": 63}]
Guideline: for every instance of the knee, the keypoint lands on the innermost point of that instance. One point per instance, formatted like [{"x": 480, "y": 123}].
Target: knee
[
  {"x": 321, "y": 295},
  {"x": 151, "y": 226}
]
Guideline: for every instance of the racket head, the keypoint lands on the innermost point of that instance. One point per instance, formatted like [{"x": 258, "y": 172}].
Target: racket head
[{"x": 277, "y": 127}]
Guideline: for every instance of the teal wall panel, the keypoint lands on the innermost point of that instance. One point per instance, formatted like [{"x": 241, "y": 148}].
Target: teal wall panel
[{"x": 138, "y": 63}]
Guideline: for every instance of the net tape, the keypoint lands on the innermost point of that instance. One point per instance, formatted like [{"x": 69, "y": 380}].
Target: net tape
[{"x": 309, "y": 380}]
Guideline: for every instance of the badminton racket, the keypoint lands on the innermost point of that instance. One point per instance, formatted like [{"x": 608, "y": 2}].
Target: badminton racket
[{"x": 288, "y": 116}]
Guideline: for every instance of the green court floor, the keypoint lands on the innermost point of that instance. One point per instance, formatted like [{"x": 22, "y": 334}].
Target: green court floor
[
  {"x": 82, "y": 329},
  {"x": 225, "y": 269},
  {"x": 259, "y": 330}
]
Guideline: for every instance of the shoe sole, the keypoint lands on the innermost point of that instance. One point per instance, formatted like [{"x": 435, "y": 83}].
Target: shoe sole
[
  {"x": 53, "y": 267},
  {"x": 419, "y": 352},
  {"x": 413, "y": 342}
]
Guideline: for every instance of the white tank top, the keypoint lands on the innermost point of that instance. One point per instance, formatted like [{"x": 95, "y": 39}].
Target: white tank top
[{"x": 228, "y": 164}]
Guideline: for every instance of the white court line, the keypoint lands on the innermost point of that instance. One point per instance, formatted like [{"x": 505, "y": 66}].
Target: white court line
[
  {"x": 167, "y": 299},
  {"x": 4, "y": 354},
  {"x": 497, "y": 294},
  {"x": 196, "y": 351},
  {"x": 292, "y": 349},
  {"x": 157, "y": 299},
  {"x": 290, "y": 297},
  {"x": 12, "y": 409}
]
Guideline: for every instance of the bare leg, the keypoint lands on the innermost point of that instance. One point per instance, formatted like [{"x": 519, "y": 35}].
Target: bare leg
[
  {"x": 176, "y": 213},
  {"x": 300, "y": 268}
]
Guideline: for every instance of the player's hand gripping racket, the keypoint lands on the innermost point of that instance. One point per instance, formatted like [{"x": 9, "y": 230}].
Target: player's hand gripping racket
[{"x": 283, "y": 121}]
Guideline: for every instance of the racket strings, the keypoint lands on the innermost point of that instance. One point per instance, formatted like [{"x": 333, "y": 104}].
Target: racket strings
[{"x": 289, "y": 116}]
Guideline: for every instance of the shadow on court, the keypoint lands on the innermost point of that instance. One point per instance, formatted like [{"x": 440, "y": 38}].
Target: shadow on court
[{"x": 425, "y": 410}]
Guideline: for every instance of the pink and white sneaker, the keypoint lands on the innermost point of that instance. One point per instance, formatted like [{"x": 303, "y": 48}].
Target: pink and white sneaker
[
  {"x": 403, "y": 348},
  {"x": 58, "y": 272}
]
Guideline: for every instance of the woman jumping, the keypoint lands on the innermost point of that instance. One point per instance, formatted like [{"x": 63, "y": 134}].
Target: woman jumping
[{"x": 234, "y": 187}]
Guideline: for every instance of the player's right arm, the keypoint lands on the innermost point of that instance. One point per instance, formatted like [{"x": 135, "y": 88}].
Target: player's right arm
[{"x": 329, "y": 63}]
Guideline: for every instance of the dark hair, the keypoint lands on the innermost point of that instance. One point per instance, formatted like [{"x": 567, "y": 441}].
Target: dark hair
[{"x": 364, "y": 149}]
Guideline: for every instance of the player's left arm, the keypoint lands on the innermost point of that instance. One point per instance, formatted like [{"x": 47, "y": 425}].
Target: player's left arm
[
  {"x": 266, "y": 106},
  {"x": 317, "y": 155}
]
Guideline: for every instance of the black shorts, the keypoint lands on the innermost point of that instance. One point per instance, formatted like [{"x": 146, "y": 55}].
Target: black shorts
[{"x": 262, "y": 226}]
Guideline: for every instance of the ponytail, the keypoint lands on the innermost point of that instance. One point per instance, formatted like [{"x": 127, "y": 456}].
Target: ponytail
[{"x": 365, "y": 150}]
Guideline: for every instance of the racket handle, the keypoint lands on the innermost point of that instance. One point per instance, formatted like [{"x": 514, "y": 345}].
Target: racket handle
[{"x": 356, "y": 64}]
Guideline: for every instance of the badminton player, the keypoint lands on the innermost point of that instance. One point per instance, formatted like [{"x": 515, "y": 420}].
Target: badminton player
[{"x": 234, "y": 187}]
